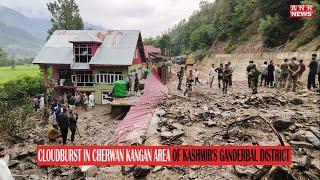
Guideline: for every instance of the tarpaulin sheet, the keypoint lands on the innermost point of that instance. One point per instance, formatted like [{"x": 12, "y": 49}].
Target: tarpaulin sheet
[{"x": 137, "y": 121}]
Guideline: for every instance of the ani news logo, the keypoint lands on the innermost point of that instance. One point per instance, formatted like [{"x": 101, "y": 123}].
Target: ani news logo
[{"x": 301, "y": 11}]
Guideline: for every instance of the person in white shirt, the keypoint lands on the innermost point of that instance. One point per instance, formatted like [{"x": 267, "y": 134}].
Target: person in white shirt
[
  {"x": 211, "y": 75},
  {"x": 277, "y": 74},
  {"x": 196, "y": 75},
  {"x": 264, "y": 73},
  {"x": 5, "y": 173},
  {"x": 91, "y": 100}
]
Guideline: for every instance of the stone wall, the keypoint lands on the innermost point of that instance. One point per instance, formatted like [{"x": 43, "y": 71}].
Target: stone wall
[{"x": 240, "y": 61}]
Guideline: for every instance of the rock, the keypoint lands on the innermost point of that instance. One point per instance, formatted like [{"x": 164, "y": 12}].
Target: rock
[
  {"x": 111, "y": 169},
  {"x": 315, "y": 131},
  {"x": 311, "y": 176},
  {"x": 160, "y": 112},
  {"x": 282, "y": 124},
  {"x": 18, "y": 177},
  {"x": 34, "y": 177},
  {"x": 13, "y": 163},
  {"x": 22, "y": 155},
  {"x": 210, "y": 123},
  {"x": 172, "y": 135},
  {"x": 301, "y": 144},
  {"x": 245, "y": 170},
  {"x": 298, "y": 136},
  {"x": 280, "y": 172},
  {"x": 315, "y": 164},
  {"x": 157, "y": 169},
  {"x": 193, "y": 175},
  {"x": 55, "y": 171},
  {"x": 126, "y": 169},
  {"x": 296, "y": 101},
  {"x": 313, "y": 139},
  {"x": 304, "y": 163},
  {"x": 89, "y": 171},
  {"x": 72, "y": 174},
  {"x": 13, "y": 156},
  {"x": 141, "y": 171},
  {"x": 39, "y": 141}
]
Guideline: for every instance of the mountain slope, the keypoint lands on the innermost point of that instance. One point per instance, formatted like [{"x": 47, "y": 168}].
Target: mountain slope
[{"x": 23, "y": 36}]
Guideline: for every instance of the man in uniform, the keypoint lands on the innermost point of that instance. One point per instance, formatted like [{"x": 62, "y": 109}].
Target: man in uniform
[
  {"x": 284, "y": 73},
  {"x": 254, "y": 72},
  {"x": 219, "y": 70},
  {"x": 294, "y": 69},
  {"x": 180, "y": 77},
  {"x": 248, "y": 73},
  {"x": 226, "y": 74},
  {"x": 189, "y": 84},
  {"x": 230, "y": 75}
]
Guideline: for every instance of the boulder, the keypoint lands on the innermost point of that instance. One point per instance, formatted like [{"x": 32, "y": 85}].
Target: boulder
[
  {"x": 18, "y": 177},
  {"x": 282, "y": 124},
  {"x": 34, "y": 177},
  {"x": 89, "y": 171},
  {"x": 313, "y": 139},
  {"x": 304, "y": 163},
  {"x": 141, "y": 171},
  {"x": 13, "y": 163},
  {"x": 157, "y": 169},
  {"x": 193, "y": 175},
  {"x": 301, "y": 144},
  {"x": 280, "y": 172},
  {"x": 315, "y": 131},
  {"x": 172, "y": 135},
  {"x": 296, "y": 101},
  {"x": 22, "y": 155},
  {"x": 39, "y": 141}
]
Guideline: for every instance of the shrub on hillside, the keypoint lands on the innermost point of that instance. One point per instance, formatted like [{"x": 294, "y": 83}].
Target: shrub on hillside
[{"x": 272, "y": 31}]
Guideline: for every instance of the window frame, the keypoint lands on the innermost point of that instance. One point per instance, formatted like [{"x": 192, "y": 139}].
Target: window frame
[
  {"x": 77, "y": 49},
  {"x": 109, "y": 77}
]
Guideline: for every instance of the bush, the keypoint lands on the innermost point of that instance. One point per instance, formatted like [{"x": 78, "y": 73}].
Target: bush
[
  {"x": 12, "y": 122},
  {"x": 272, "y": 31},
  {"x": 21, "y": 88},
  {"x": 198, "y": 55}
]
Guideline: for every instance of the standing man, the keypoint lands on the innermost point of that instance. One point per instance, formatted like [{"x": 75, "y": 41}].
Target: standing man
[
  {"x": 313, "y": 68},
  {"x": 271, "y": 74},
  {"x": 180, "y": 75},
  {"x": 196, "y": 75},
  {"x": 277, "y": 74},
  {"x": 231, "y": 73},
  {"x": 249, "y": 67},
  {"x": 136, "y": 83},
  {"x": 189, "y": 84},
  {"x": 302, "y": 69},
  {"x": 264, "y": 73},
  {"x": 254, "y": 79},
  {"x": 294, "y": 68},
  {"x": 211, "y": 75},
  {"x": 226, "y": 74},
  {"x": 63, "y": 122},
  {"x": 91, "y": 100},
  {"x": 73, "y": 119},
  {"x": 284, "y": 73},
  {"x": 5, "y": 173},
  {"x": 219, "y": 70}
]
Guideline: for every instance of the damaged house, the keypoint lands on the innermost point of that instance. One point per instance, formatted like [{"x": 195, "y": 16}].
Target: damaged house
[{"x": 90, "y": 60}]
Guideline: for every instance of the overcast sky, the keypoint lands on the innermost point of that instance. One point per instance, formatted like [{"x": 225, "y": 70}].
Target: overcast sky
[{"x": 152, "y": 17}]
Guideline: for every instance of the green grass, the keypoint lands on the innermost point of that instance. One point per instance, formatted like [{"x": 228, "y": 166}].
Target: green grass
[{"x": 7, "y": 74}]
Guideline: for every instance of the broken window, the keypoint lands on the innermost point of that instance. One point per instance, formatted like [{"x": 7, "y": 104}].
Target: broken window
[{"x": 82, "y": 53}]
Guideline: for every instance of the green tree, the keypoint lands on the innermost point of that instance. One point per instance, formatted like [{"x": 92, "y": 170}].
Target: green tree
[
  {"x": 65, "y": 15},
  {"x": 271, "y": 31}
]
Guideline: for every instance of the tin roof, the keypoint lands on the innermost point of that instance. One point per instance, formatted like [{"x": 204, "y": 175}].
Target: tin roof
[{"x": 117, "y": 48}]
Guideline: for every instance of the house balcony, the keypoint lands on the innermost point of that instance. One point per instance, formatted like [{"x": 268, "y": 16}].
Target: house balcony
[{"x": 60, "y": 83}]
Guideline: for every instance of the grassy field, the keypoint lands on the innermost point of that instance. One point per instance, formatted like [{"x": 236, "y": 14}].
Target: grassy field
[{"x": 7, "y": 74}]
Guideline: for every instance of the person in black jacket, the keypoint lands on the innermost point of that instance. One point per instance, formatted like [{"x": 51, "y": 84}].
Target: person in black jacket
[
  {"x": 271, "y": 69},
  {"x": 63, "y": 122},
  {"x": 73, "y": 119}
]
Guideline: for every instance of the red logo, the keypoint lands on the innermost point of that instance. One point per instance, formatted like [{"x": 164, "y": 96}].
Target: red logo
[{"x": 301, "y": 11}]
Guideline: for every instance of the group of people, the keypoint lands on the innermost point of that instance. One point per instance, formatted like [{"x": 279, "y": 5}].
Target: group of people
[
  {"x": 133, "y": 86},
  {"x": 224, "y": 72},
  {"x": 65, "y": 119},
  {"x": 38, "y": 102},
  {"x": 286, "y": 75}
]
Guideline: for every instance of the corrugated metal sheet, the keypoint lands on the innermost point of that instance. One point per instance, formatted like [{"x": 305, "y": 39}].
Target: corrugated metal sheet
[
  {"x": 117, "y": 48},
  {"x": 137, "y": 121}
]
